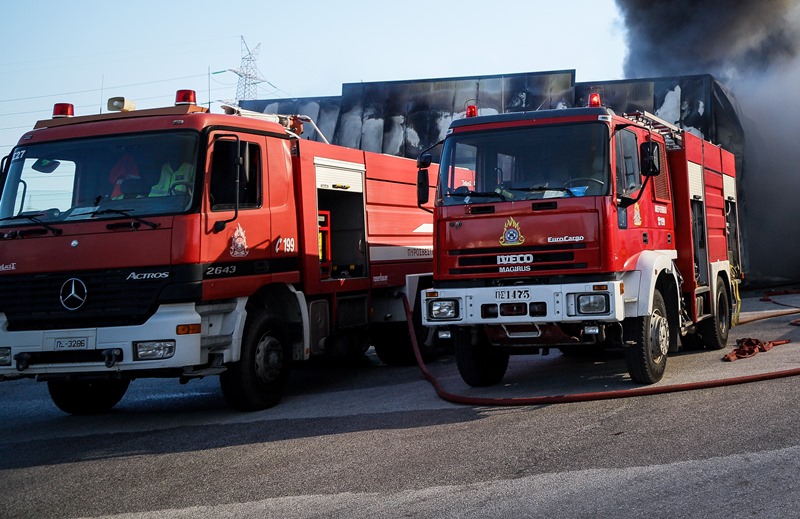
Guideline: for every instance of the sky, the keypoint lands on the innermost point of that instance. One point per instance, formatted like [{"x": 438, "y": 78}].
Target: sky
[{"x": 86, "y": 51}]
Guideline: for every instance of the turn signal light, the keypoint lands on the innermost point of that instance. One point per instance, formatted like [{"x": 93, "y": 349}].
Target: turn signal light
[{"x": 187, "y": 329}]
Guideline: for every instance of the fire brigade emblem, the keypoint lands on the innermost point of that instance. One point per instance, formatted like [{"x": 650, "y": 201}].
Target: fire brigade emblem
[
  {"x": 239, "y": 247},
  {"x": 637, "y": 215},
  {"x": 511, "y": 233}
]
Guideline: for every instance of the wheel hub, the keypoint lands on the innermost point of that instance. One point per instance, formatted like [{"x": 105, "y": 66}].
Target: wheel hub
[
  {"x": 269, "y": 359},
  {"x": 659, "y": 334}
]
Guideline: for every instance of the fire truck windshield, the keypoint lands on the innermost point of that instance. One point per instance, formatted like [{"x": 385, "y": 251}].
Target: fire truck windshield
[
  {"x": 525, "y": 164},
  {"x": 101, "y": 177}
]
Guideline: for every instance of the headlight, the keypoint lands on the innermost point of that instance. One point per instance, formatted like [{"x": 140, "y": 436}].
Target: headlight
[
  {"x": 443, "y": 309},
  {"x": 593, "y": 303},
  {"x": 153, "y": 350}
]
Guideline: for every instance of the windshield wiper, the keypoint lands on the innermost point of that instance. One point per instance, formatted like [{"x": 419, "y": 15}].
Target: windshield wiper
[
  {"x": 479, "y": 193},
  {"x": 32, "y": 218},
  {"x": 127, "y": 214},
  {"x": 536, "y": 189}
]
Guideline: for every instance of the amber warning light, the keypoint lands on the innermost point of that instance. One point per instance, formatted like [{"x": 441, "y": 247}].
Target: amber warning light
[{"x": 594, "y": 100}]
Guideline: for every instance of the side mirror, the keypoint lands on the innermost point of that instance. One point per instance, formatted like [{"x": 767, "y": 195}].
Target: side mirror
[
  {"x": 649, "y": 156},
  {"x": 424, "y": 161},
  {"x": 423, "y": 185}
]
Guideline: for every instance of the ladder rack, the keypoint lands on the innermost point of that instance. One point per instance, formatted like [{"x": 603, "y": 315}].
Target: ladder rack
[{"x": 673, "y": 136}]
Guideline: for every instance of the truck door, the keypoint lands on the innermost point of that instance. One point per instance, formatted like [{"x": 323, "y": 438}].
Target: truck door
[
  {"x": 237, "y": 230},
  {"x": 649, "y": 221}
]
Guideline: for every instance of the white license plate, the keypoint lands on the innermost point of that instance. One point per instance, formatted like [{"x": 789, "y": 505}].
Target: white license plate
[
  {"x": 512, "y": 294},
  {"x": 72, "y": 343}
]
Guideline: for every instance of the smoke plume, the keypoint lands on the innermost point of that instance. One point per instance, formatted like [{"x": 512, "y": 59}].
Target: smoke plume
[{"x": 753, "y": 47}]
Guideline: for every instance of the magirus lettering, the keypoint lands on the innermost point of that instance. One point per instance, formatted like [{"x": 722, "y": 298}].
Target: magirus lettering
[
  {"x": 514, "y": 259},
  {"x": 141, "y": 276}
]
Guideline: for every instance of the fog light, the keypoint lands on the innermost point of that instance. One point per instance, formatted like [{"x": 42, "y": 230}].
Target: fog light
[
  {"x": 5, "y": 356},
  {"x": 593, "y": 303},
  {"x": 153, "y": 350},
  {"x": 591, "y": 329},
  {"x": 443, "y": 309}
]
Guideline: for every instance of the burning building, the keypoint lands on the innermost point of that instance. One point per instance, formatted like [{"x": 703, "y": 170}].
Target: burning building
[{"x": 405, "y": 117}]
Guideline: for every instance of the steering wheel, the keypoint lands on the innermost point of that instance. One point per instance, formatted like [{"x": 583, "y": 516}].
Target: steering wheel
[{"x": 187, "y": 188}]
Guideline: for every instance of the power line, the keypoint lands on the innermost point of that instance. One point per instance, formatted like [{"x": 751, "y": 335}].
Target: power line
[{"x": 101, "y": 89}]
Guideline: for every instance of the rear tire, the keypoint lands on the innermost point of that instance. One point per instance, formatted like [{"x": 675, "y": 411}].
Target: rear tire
[
  {"x": 82, "y": 397},
  {"x": 647, "y": 359},
  {"x": 479, "y": 364},
  {"x": 714, "y": 330},
  {"x": 257, "y": 381}
]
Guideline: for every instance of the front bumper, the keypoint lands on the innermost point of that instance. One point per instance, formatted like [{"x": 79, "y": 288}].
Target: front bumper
[
  {"x": 562, "y": 303},
  {"x": 103, "y": 350}
]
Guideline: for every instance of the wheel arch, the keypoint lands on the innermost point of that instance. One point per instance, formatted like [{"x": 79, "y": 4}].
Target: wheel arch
[
  {"x": 654, "y": 269},
  {"x": 289, "y": 305}
]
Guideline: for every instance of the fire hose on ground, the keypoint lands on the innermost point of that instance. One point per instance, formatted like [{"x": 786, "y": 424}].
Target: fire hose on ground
[{"x": 601, "y": 395}]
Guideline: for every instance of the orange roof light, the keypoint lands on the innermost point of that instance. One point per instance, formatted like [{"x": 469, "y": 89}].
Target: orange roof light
[
  {"x": 185, "y": 97},
  {"x": 594, "y": 100},
  {"x": 63, "y": 110}
]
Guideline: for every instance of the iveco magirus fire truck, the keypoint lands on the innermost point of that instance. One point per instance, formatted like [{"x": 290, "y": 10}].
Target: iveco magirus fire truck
[
  {"x": 578, "y": 229},
  {"x": 173, "y": 242}
]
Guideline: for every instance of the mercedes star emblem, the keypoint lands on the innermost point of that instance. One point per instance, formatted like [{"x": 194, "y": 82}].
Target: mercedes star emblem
[{"x": 73, "y": 294}]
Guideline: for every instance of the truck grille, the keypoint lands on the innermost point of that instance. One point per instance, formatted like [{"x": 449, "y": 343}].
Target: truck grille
[
  {"x": 540, "y": 259},
  {"x": 33, "y": 302}
]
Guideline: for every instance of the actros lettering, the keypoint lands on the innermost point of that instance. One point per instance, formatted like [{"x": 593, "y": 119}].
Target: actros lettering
[{"x": 137, "y": 276}]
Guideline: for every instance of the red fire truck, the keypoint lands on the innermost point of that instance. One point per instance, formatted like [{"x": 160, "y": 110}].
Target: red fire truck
[
  {"x": 173, "y": 242},
  {"x": 580, "y": 229}
]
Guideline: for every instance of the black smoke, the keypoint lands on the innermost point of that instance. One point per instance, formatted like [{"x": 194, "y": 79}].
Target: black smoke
[
  {"x": 753, "y": 47},
  {"x": 727, "y": 38}
]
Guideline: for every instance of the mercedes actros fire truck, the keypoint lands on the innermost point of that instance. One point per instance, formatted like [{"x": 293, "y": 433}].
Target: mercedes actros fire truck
[
  {"x": 580, "y": 229},
  {"x": 175, "y": 242}
]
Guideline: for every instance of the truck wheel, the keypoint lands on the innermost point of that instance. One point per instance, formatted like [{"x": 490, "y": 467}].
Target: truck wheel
[
  {"x": 479, "y": 364},
  {"x": 647, "y": 358},
  {"x": 258, "y": 379},
  {"x": 714, "y": 330},
  {"x": 87, "y": 396}
]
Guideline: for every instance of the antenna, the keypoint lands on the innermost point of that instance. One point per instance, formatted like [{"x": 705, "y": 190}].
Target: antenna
[{"x": 249, "y": 75}]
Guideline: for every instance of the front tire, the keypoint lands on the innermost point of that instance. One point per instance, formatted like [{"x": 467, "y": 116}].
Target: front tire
[
  {"x": 82, "y": 397},
  {"x": 647, "y": 358},
  {"x": 257, "y": 381},
  {"x": 479, "y": 364},
  {"x": 714, "y": 330}
]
